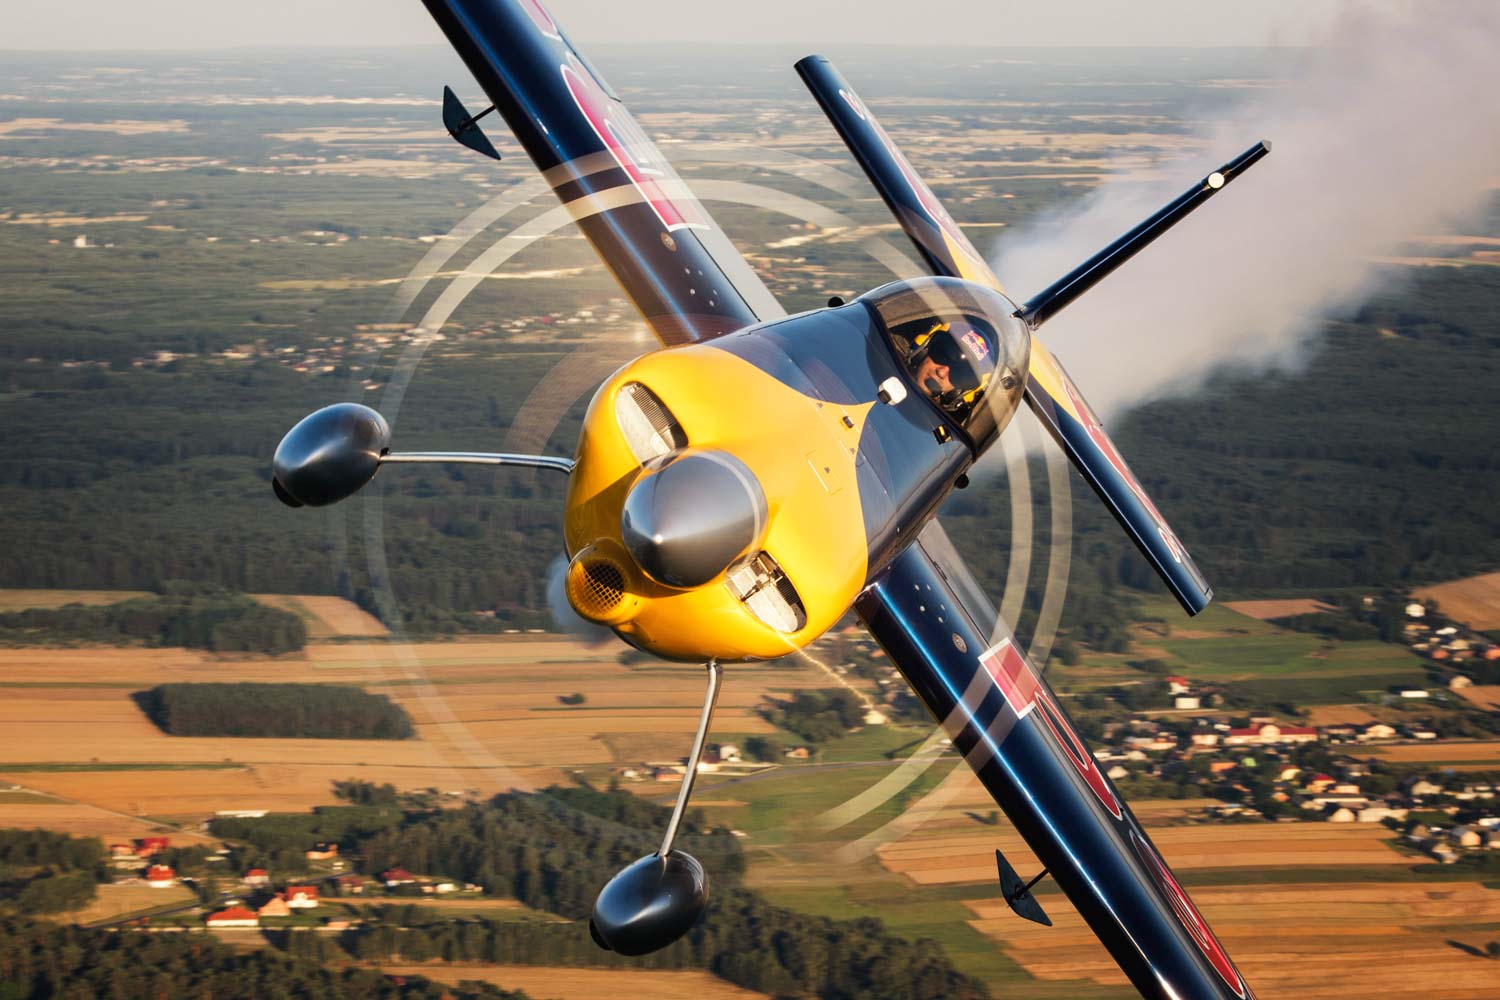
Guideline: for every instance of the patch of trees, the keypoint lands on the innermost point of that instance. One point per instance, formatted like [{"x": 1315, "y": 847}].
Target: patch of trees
[
  {"x": 43, "y": 960},
  {"x": 46, "y": 872},
  {"x": 199, "y": 616},
  {"x": 555, "y": 849},
  {"x": 288, "y": 711},
  {"x": 741, "y": 938},
  {"x": 817, "y": 716}
]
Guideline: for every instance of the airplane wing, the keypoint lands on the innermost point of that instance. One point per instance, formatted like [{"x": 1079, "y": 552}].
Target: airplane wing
[
  {"x": 672, "y": 260},
  {"x": 1003, "y": 717},
  {"x": 1051, "y": 394}
]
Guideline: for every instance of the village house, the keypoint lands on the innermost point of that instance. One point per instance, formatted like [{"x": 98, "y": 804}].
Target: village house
[
  {"x": 234, "y": 916},
  {"x": 1422, "y": 788},
  {"x": 275, "y": 907},
  {"x": 301, "y": 897},
  {"x": 1204, "y": 738},
  {"x": 798, "y": 753},
  {"x": 147, "y": 847},
  {"x": 160, "y": 877},
  {"x": 350, "y": 885},
  {"x": 1378, "y": 731},
  {"x": 393, "y": 877},
  {"x": 321, "y": 852},
  {"x": 1270, "y": 733},
  {"x": 257, "y": 877}
]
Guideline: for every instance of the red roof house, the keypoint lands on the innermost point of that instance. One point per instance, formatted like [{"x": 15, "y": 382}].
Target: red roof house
[
  {"x": 160, "y": 876},
  {"x": 234, "y": 916},
  {"x": 257, "y": 876},
  {"x": 145, "y": 847},
  {"x": 397, "y": 876}
]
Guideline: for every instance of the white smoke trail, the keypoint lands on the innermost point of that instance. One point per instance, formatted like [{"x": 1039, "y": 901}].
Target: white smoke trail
[{"x": 1389, "y": 131}]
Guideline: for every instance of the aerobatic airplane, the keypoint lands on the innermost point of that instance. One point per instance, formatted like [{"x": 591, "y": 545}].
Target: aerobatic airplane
[{"x": 737, "y": 491}]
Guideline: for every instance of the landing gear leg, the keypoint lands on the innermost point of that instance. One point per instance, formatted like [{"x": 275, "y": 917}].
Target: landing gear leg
[{"x": 659, "y": 898}]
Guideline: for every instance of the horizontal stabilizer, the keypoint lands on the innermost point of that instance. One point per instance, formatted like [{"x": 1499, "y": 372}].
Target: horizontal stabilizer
[
  {"x": 465, "y": 127},
  {"x": 1018, "y": 894}
]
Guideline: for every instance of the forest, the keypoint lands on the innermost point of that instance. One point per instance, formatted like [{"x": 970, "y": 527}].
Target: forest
[
  {"x": 553, "y": 850},
  {"x": 283, "y": 711},
  {"x": 43, "y": 961},
  {"x": 1342, "y": 472}
]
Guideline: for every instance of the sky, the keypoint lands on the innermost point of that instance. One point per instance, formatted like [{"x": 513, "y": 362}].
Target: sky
[{"x": 195, "y": 24}]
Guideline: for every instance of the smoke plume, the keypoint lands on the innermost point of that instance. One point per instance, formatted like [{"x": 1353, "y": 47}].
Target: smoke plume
[{"x": 1388, "y": 131}]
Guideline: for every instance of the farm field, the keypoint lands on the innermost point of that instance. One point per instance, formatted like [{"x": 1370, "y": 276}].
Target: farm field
[
  {"x": 117, "y": 900},
  {"x": 936, "y": 856},
  {"x": 1405, "y": 937},
  {"x": 546, "y": 983},
  {"x": 1447, "y": 752},
  {"x": 328, "y": 617},
  {"x": 1475, "y": 601},
  {"x": 1486, "y": 696},
  {"x": 486, "y": 713},
  {"x": 1267, "y": 610}
]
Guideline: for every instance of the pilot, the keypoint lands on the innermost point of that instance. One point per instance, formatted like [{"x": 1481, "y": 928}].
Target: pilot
[{"x": 953, "y": 362}]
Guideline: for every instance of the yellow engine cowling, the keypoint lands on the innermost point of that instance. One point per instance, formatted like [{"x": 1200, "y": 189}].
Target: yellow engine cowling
[{"x": 810, "y": 560}]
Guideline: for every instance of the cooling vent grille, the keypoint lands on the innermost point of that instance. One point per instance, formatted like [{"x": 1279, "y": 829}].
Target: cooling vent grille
[
  {"x": 649, "y": 427},
  {"x": 596, "y": 587}
]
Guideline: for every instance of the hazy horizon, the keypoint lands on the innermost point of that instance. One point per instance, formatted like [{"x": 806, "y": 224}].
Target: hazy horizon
[{"x": 172, "y": 25}]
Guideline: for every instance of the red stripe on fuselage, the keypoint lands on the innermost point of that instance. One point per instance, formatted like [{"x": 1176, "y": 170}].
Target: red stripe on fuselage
[
  {"x": 1023, "y": 691},
  {"x": 1191, "y": 920},
  {"x": 631, "y": 149}
]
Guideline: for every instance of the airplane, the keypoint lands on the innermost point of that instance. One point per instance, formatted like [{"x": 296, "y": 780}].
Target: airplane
[{"x": 736, "y": 492}]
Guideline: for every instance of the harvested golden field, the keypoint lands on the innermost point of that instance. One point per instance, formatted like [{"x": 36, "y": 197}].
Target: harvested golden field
[
  {"x": 1441, "y": 752},
  {"x": 1267, "y": 610},
  {"x": 1354, "y": 939},
  {"x": 82, "y": 820},
  {"x": 939, "y": 857},
  {"x": 116, "y": 901},
  {"x": 1475, "y": 601},
  {"x": 487, "y": 717},
  {"x": 1338, "y": 715},
  {"x": 543, "y": 983},
  {"x": 328, "y": 617},
  {"x": 1486, "y": 696}
]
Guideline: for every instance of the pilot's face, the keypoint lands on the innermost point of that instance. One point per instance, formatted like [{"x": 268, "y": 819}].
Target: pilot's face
[{"x": 933, "y": 377}]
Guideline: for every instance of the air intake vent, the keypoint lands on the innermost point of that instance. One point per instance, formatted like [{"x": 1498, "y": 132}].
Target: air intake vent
[
  {"x": 767, "y": 593},
  {"x": 596, "y": 586},
  {"x": 648, "y": 426}
]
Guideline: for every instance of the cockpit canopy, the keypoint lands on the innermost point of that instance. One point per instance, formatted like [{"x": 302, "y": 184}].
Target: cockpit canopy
[{"x": 960, "y": 343}]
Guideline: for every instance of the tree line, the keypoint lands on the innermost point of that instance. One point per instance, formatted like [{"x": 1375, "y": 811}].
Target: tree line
[
  {"x": 554, "y": 850},
  {"x": 43, "y": 961},
  {"x": 198, "y": 616},
  {"x": 286, "y": 711}
]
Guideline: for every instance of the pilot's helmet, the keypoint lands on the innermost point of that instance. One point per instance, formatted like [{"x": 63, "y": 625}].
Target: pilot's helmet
[{"x": 967, "y": 351}]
